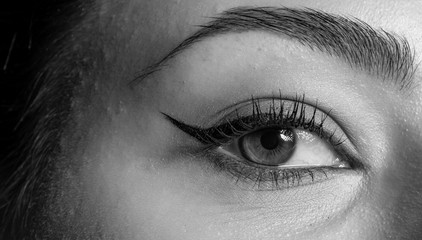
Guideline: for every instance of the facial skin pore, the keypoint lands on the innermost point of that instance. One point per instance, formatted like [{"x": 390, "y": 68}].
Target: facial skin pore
[{"x": 129, "y": 173}]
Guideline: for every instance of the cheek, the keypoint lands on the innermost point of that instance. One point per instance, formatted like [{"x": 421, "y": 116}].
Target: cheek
[{"x": 185, "y": 202}]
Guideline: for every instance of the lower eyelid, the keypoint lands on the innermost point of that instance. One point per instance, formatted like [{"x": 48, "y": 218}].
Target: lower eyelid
[{"x": 253, "y": 178}]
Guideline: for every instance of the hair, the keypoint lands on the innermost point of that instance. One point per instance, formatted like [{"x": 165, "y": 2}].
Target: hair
[{"x": 35, "y": 104}]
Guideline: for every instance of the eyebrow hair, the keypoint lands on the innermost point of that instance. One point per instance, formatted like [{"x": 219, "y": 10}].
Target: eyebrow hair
[{"x": 377, "y": 52}]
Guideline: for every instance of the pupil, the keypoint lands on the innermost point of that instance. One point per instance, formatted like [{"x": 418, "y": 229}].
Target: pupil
[{"x": 270, "y": 140}]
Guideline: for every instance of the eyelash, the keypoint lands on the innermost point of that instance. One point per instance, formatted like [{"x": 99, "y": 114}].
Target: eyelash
[{"x": 264, "y": 177}]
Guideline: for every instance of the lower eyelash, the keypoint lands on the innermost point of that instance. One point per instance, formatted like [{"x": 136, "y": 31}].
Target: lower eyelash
[{"x": 255, "y": 178}]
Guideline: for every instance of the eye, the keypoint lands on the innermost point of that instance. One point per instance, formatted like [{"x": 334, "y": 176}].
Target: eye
[
  {"x": 284, "y": 147},
  {"x": 273, "y": 143}
]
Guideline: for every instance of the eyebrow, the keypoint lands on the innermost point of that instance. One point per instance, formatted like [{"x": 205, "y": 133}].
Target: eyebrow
[{"x": 378, "y": 52}]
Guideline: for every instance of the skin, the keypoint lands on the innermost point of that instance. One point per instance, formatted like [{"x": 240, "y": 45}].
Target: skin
[{"x": 128, "y": 173}]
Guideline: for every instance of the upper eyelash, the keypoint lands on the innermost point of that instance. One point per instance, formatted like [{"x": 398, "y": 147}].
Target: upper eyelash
[{"x": 293, "y": 117}]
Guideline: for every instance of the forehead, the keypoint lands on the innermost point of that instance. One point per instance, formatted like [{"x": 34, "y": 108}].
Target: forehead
[{"x": 174, "y": 20}]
